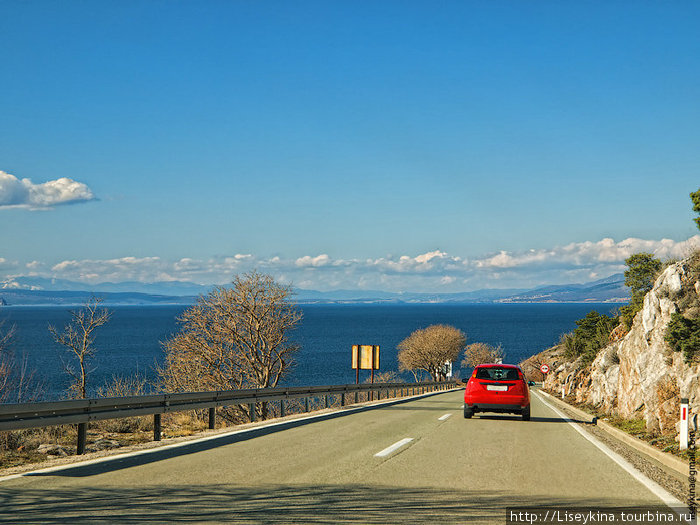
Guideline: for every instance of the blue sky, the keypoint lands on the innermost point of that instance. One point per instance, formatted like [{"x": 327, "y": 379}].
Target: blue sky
[{"x": 395, "y": 145}]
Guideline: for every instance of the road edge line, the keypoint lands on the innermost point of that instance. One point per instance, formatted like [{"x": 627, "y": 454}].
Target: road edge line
[
  {"x": 666, "y": 497},
  {"x": 667, "y": 460}
]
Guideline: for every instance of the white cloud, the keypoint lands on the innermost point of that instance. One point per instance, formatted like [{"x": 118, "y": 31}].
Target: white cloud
[
  {"x": 6, "y": 264},
  {"x": 431, "y": 271},
  {"x": 586, "y": 254},
  {"x": 16, "y": 193},
  {"x": 144, "y": 269},
  {"x": 427, "y": 257},
  {"x": 314, "y": 262}
]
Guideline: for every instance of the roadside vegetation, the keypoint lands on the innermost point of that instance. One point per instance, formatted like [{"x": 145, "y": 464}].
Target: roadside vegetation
[
  {"x": 592, "y": 333},
  {"x": 480, "y": 353},
  {"x": 683, "y": 332},
  {"x": 234, "y": 338},
  {"x": 428, "y": 350},
  {"x": 635, "y": 427},
  {"x": 595, "y": 331},
  {"x": 642, "y": 270},
  {"x": 18, "y": 383},
  {"x": 78, "y": 337}
]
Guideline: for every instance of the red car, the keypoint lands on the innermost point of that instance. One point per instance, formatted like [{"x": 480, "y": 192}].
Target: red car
[{"x": 497, "y": 388}]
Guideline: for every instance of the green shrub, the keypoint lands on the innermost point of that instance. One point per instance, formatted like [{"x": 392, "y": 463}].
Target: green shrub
[
  {"x": 695, "y": 197},
  {"x": 642, "y": 270},
  {"x": 683, "y": 335},
  {"x": 591, "y": 334}
]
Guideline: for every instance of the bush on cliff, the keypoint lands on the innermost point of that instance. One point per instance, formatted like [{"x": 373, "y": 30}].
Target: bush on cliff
[
  {"x": 591, "y": 334},
  {"x": 683, "y": 335},
  {"x": 642, "y": 269}
]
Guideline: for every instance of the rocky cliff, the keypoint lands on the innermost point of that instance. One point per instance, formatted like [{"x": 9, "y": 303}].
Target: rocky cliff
[{"x": 639, "y": 375}]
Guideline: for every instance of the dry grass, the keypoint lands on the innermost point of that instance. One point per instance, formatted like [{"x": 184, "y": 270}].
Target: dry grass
[{"x": 120, "y": 386}]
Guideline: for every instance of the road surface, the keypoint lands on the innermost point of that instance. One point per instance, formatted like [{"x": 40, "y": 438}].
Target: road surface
[{"x": 452, "y": 470}]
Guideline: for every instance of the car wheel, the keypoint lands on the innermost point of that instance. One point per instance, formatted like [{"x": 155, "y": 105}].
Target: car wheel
[
  {"x": 526, "y": 413},
  {"x": 468, "y": 412}
]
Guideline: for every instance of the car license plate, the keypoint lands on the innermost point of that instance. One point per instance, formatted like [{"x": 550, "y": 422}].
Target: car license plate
[{"x": 499, "y": 388}]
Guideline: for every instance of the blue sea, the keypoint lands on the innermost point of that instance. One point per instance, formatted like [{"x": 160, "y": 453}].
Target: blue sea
[{"x": 131, "y": 341}]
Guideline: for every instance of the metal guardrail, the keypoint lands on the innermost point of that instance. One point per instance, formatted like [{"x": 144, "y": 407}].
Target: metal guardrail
[{"x": 20, "y": 416}]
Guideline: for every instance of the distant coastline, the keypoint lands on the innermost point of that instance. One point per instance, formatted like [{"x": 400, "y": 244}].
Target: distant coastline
[{"x": 610, "y": 290}]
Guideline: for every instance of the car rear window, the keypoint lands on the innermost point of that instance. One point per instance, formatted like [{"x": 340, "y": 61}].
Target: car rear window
[{"x": 495, "y": 373}]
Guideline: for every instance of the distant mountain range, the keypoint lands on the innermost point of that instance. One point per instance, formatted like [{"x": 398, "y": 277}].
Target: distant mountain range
[{"x": 42, "y": 291}]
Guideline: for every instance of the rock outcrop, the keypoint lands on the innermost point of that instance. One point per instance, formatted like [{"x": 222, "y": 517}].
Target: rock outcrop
[{"x": 639, "y": 375}]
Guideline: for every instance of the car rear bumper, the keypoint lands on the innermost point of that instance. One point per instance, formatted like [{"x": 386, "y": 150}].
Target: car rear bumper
[
  {"x": 490, "y": 407},
  {"x": 496, "y": 401}
]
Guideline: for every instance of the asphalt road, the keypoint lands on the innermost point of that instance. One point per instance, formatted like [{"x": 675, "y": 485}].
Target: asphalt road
[{"x": 453, "y": 471}]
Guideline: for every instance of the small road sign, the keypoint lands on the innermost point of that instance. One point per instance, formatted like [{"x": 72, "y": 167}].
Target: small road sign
[{"x": 544, "y": 368}]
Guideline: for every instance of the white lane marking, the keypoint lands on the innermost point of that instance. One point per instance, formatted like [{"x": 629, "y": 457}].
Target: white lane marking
[
  {"x": 393, "y": 448},
  {"x": 445, "y": 417},
  {"x": 658, "y": 491}
]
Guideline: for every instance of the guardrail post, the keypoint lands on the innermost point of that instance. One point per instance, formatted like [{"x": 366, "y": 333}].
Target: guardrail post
[
  {"x": 326, "y": 400},
  {"x": 342, "y": 399},
  {"x": 283, "y": 408},
  {"x": 306, "y": 404},
  {"x": 356, "y": 398},
  {"x": 82, "y": 438},
  {"x": 212, "y": 418},
  {"x": 156, "y": 427},
  {"x": 251, "y": 410}
]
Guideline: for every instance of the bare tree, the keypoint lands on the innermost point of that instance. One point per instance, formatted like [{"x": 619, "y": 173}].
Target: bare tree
[
  {"x": 430, "y": 348},
  {"x": 78, "y": 337},
  {"x": 234, "y": 338},
  {"x": 18, "y": 383},
  {"x": 478, "y": 353},
  {"x": 7, "y": 364}
]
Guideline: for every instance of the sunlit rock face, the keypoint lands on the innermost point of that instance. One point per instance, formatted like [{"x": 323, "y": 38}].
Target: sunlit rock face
[{"x": 639, "y": 375}]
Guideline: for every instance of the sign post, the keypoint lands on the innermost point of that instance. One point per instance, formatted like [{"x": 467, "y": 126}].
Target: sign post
[{"x": 365, "y": 357}]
